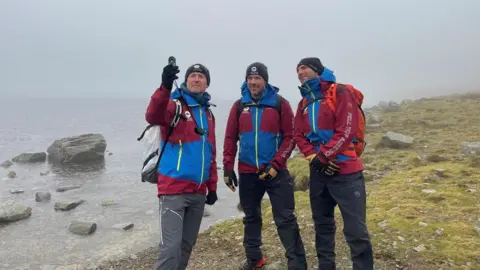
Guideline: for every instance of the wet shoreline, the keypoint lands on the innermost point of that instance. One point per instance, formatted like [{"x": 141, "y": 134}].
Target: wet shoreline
[{"x": 43, "y": 241}]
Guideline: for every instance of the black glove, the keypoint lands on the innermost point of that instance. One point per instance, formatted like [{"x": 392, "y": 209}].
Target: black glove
[
  {"x": 268, "y": 173},
  {"x": 211, "y": 197},
  {"x": 328, "y": 169},
  {"x": 169, "y": 75},
  {"x": 230, "y": 179}
]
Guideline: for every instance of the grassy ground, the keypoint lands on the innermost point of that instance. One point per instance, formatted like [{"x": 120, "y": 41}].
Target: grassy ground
[{"x": 423, "y": 201}]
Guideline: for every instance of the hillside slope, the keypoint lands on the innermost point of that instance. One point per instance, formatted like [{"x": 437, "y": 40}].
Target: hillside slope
[{"x": 423, "y": 195}]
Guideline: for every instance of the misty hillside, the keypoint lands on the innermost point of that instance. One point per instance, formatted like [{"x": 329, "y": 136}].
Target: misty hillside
[{"x": 423, "y": 195}]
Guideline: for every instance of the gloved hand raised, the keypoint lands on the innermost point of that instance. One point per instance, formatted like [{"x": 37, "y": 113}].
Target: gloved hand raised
[
  {"x": 169, "y": 75},
  {"x": 329, "y": 168}
]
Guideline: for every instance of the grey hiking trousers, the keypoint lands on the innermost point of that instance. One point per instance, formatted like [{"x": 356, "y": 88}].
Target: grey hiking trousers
[{"x": 180, "y": 219}]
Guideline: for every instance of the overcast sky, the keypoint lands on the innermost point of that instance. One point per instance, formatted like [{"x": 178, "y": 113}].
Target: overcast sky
[{"x": 92, "y": 48}]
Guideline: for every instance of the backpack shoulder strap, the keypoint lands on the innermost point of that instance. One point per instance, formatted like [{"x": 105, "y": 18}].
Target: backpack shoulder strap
[
  {"x": 178, "y": 112},
  {"x": 176, "y": 118},
  {"x": 239, "y": 108},
  {"x": 278, "y": 104}
]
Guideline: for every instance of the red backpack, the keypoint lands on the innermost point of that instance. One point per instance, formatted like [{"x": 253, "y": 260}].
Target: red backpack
[{"x": 331, "y": 100}]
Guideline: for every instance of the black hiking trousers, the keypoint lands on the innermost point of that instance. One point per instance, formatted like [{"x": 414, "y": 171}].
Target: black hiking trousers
[
  {"x": 348, "y": 192},
  {"x": 280, "y": 192}
]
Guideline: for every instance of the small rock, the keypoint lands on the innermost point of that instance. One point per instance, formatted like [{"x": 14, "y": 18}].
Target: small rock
[
  {"x": 42, "y": 196},
  {"x": 374, "y": 126},
  {"x": 16, "y": 191},
  {"x": 471, "y": 148},
  {"x": 477, "y": 228},
  {"x": 401, "y": 238},
  {"x": 30, "y": 157},
  {"x": 82, "y": 227},
  {"x": 429, "y": 190},
  {"x": 44, "y": 173},
  {"x": 382, "y": 224},
  {"x": 133, "y": 257},
  {"x": 440, "y": 172},
  {"x": 107, "y": 203},
  {"x": 436, "y": 158},
  {"x": 439, "y": 231},
  {"x": 123, "y": 226},
  {"x": 374, "y": 118},
  {"x": 471, "y": 190},
  {"x": 110, "y": 153},
  {"x": 274, "y": 266},
  {"x": 66, "y": 188},
  {"x": 6, "y": 164},
  {"x": 12, "y": 174},
  {"x": 420, "y": 248},
  {"x": 396, "y": 140},
  {"x": 11, "y": 211},
  {"x": 423, "y": 224},
  {"x": 67, "y": 205}
]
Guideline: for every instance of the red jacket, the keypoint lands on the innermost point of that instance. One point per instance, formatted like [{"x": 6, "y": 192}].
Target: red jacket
[
  {"x": 265, "y": 137},
  {"x": 188, "y": 164},
  {"x": 319, "y": 130}
]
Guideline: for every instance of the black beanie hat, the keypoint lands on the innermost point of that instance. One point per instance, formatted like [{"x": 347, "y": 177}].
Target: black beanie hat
[
  {"x": 198, "y": 68},
  {"x": 257, "y": 68},
  {"x": 312, "y": 62}
]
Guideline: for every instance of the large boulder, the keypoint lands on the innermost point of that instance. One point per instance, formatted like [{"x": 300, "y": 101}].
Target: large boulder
[
  {"x": 80, "y": 149},
  {"x": 11, "y": 211},
  {"x": 30, "y": 157}
]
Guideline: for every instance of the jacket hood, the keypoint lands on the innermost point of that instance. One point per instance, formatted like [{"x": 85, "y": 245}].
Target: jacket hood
[
  {"x": 268, "y": 97},
  {"x": 192, "y": 99}
]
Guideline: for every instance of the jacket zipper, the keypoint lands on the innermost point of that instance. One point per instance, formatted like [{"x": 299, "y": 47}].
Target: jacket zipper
[
  {"x": 256, "y": 137},
  {"x": 180, "y": 151},
  {"x": 203, "y": 144},
  {"x": 314, "y": 126}
]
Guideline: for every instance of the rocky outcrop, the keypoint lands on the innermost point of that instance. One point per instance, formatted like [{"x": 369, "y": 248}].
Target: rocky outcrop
[
  {"x": 30, "y": 157},
  {"x": 396, "y": 140},
  {"x": 11, "y": 211},
  {"x": 391, "y": 106},
  {"x": 82, "y": 149}
]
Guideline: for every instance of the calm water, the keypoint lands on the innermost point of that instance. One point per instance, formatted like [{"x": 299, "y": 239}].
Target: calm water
[{"x": 43, "y": 240}]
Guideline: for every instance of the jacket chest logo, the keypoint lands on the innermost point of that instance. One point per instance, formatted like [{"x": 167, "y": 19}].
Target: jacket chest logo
[
  {"x": 246, "y": 110},
  {"x": 188, "y": 116}
]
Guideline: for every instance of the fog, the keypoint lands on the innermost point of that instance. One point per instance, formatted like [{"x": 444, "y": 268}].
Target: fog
[{"x": 117, "y": 49}]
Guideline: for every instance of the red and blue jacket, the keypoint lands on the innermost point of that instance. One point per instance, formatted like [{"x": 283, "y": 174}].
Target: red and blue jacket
[
  {"x": 188, "y": 163},
  {"x": 322, "y": 131},
  {"x": 265, "y": 136}
]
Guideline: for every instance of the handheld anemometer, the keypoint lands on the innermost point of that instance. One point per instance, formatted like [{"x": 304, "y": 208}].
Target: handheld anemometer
[{"x": 172, "y": 61}]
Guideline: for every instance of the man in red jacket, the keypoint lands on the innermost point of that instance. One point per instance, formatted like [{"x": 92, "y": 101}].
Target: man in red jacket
[
  {"x": 263, "y": 123},
  {"x": 325, "y": 138},
  {"x": 187, "y": 173}
]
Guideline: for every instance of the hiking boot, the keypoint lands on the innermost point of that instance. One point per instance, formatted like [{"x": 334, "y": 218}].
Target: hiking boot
[{"x": 253, "y": 266}]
